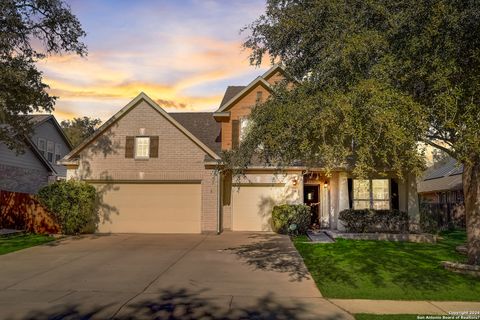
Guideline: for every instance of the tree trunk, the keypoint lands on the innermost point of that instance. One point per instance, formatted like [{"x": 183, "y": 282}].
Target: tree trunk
[{"x": 471, "y": 191}]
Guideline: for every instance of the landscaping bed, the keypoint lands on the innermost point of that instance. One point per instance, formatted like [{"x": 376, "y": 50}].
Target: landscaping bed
[
  {"x": 17, "y": 242},
  {"x": 410, "y": 237},
  {"x": 389, "y": 270}
]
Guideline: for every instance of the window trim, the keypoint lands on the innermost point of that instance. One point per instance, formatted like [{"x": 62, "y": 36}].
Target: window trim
[
  {"x": 241, "y": 135},
  {"x": 59, "y": 153},
  {"x": 53, "y": 151},
  {"x": 371, "y": 199},
  {"x": 44, "y": 150},
  {"x": 135, "y": 156}
]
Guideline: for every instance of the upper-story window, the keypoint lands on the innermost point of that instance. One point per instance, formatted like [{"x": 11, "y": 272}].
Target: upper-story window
[
  {"x": 42, "y": 146},
  {"x": 371, "y": 194},
  {"x": 58, "y": 152},
  {"x": 50, "y": 150},
  {"x": 142, "y": 147},
  {"x": 259, "y": 97},
  {"x": 244, "y": 122}
]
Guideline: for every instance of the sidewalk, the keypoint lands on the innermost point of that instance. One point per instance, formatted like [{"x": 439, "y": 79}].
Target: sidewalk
[{"x": 405, "y": 307}]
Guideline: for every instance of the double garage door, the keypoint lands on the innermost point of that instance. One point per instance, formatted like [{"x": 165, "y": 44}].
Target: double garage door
[{"x": 150, "y": 208}]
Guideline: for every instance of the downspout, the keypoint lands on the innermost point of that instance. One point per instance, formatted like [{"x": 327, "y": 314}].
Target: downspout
[{"x": 219, "y": 202}]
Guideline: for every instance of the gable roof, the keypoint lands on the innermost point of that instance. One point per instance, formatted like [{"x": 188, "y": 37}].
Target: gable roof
[
  {"x": 231, "y": 92},
  {"x": 141, "y": 97},
  {"x": 38, "y": 119},
  {"x": 203, "y": 126},
  {"x": 234, "y": 93},
  {"x": 446, "y": 176},
  {"x": 242, "y": 92},
  {"x": 39, "y": 155}
]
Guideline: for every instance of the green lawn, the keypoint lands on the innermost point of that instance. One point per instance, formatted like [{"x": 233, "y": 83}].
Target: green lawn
[
  {"x": 389, "y": 270},
  {"x": 365, "y": 316},
  {"x": 18, "y": 242}
]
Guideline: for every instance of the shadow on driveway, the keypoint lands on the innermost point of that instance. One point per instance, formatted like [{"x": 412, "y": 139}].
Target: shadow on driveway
[
  {"x": 270, "y": 252},
  {"x": 182, "y": 304}
]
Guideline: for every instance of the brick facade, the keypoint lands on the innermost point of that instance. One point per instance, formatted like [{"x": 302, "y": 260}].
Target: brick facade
[{"x": 179, "y": 158}]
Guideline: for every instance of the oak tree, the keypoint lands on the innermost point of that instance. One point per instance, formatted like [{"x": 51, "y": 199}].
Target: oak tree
[
  {"x": 30, "y": 30},
  {"x": 376, "y": 78}
]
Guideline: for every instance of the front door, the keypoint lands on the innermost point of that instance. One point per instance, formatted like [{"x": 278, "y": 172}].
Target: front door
[{"x": 310, "y": 198}]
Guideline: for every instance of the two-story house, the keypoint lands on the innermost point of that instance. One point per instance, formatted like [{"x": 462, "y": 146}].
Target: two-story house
[
  {"x": 156, "y": 172},
  {"x": 37, "y": 165}
]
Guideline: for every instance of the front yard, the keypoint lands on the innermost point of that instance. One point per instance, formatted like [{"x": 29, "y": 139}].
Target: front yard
[
  {"x": 18, "y": 242},
  {"x": 389, "y": 270}
]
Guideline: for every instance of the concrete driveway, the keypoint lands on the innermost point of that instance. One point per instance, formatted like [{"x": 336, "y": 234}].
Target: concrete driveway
[{"x": 231, "y": 276}]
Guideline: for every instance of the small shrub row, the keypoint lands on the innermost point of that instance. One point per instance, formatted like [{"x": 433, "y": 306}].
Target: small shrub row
[
  {"x": 292, "y": 219},
  {"x": 368, "y": 220},
  {"x": 73, "y": 204}
]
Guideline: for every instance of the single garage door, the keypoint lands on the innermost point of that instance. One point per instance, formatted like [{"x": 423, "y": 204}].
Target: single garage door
[
  {"x": 150, "y": 208},
  {"x": 252, "y": 207}
]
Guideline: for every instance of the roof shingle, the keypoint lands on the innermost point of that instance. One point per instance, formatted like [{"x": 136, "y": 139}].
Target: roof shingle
[
  {"x": 203, "y": 126},
  {"x": 231, "y": 92}
]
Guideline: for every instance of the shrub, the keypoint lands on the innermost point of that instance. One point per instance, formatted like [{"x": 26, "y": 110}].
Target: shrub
[
  {"x": 367, "y": 220},
  {"x": 292, "y": 219},
  {"x": 73, "y": 204}
]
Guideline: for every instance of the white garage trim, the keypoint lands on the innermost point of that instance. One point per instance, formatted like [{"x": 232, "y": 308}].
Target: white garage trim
[{"x": 147, "y": 207}]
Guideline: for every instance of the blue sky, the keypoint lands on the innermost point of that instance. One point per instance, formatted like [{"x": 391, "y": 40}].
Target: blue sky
[{"x": 181, "y": 53}]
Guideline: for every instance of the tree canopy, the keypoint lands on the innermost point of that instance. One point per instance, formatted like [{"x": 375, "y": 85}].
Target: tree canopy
[
  {"x": 31, "y": 30},
  {"x": 376, "y": 78},
  {"x": 79, "y": 129}
]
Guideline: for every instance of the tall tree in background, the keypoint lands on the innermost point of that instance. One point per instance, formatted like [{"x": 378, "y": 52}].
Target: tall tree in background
[
  {"x": 79, "y": 129},
  {"x": 30, "y": 30},
  {"x": 377, "y": 77}
]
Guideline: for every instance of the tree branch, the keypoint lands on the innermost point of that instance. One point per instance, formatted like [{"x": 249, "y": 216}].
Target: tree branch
[{"x": 448, "y": 151}]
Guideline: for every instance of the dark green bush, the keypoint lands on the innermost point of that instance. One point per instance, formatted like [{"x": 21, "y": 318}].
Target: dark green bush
[
  {"x": 293, "y": 219},
  {"x": 368, "y": 220},
  {"x": 73, "y": 204}
]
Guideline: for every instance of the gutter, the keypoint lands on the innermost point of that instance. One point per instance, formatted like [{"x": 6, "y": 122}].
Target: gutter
[{"x": 219, "y": 202}]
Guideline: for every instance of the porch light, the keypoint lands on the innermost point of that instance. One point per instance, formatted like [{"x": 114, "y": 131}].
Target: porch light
[
  {"x": 294, "y": 182},
  {"x": 325, "y": 185}
]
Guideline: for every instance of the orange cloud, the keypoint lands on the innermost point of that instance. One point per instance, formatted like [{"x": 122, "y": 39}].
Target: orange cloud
[{"x": 107, "y": 79}]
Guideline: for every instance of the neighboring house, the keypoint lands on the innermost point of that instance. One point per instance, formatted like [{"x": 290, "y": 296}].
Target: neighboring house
[
  {"x": 31, "y": 170},
  {"x": 441, "y": 192},
  {"x": 156, "y": 172}
]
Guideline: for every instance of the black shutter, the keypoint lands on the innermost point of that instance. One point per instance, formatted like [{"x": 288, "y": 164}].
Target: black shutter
[
  {"x": 154, "y": 147},
  {"x": 129, "y": 146},
  {"x": 350, "y": 192},
  {"x": 235, "y": 134},
  {"x": 394, "y": 194}
]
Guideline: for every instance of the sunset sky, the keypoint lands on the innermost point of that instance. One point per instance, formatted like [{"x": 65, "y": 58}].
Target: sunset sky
[{"x": 183, "y": 54}]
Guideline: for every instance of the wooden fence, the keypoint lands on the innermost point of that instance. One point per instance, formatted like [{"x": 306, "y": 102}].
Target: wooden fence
[{"x": 22, "y": 211}]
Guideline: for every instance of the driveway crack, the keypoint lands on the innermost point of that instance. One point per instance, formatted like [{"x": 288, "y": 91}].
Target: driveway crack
[{"x": 158, "y": 276}]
